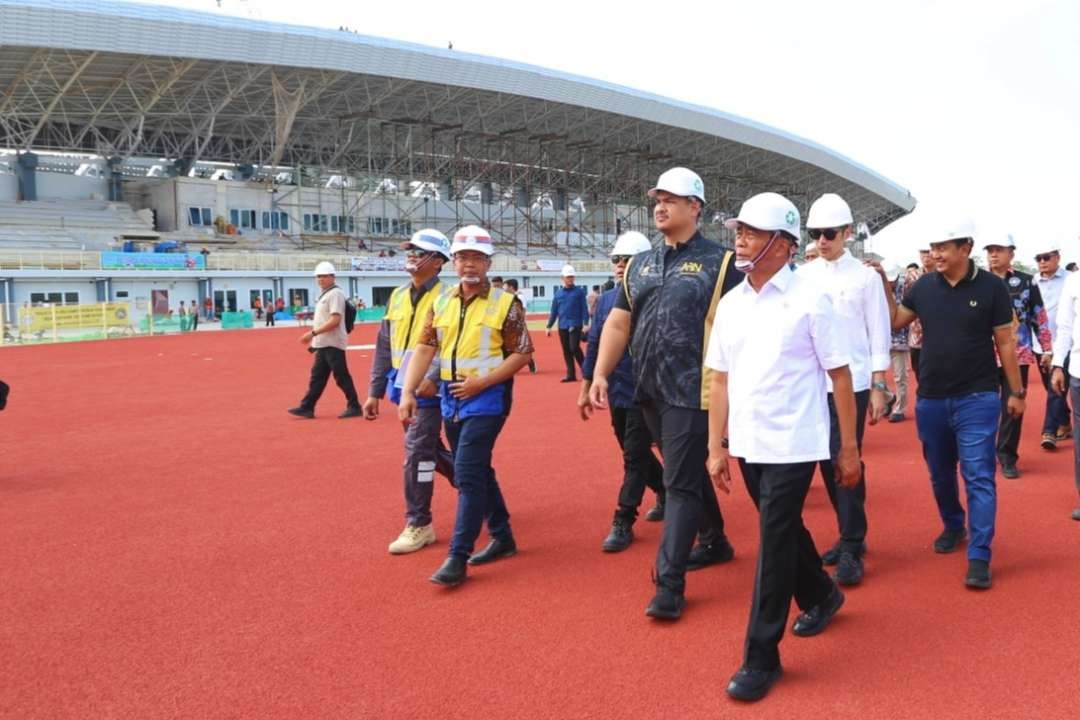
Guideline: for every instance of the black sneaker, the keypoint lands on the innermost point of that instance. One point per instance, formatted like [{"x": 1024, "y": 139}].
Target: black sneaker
[
  {"x": 849, "y": 569},
  {"x": 750, "y": 685},
  {"x": 350, "y": 412},
  {"x": 1048, "y": 442},
  {"x": 949, "y": 540},
  {"x": 656, "y": 513},
  {"x": 832, "y": 555},
  {"x": 4, "y": 390},
  {"x": 1076, "y": 514},
  {"x": 816, "y": 619},
  {"x": 302, "y": 412},
  {"x": 620, "y": 537},
  {"x": 666, "y": 604},
  {"x": 978, "y": 575},
  {"x": 705, "y": 555},
  {"x": 1009, "y": 470}
]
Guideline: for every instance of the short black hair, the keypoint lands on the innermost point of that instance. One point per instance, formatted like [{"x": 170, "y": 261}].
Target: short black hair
[
  {"x": 1071, "y": 267},
  {"x": 496, "y": 278},
  {"x": 511, "y": 282}
]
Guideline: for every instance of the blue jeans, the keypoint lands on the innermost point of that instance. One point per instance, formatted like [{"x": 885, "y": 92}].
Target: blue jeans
[
  {"x": 479, "y": 497},
  {"x": 962, "y": 430}
]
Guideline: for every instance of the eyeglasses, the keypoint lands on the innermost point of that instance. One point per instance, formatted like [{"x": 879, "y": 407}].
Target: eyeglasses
[
  {"x": 616, "y": 259},
  {"x": 1045, "y": 257},
  {"x": 830, "y": 233}
]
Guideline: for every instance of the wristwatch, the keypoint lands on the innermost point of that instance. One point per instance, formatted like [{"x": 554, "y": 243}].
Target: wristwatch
[
  {"x": 1021, "y": 393},
  {"x": 880, "y": 385}
]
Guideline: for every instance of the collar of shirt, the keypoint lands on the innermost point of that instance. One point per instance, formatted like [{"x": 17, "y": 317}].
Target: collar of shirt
[
  {"x": 845, "y": 258},
  {"x": 416, "y": 292},
  {"x": 1060, "y": 273},
  {"x": 485, "y": 290},
  {"x": 781, "y": 281},
  {"x": 973, "y": 270}
]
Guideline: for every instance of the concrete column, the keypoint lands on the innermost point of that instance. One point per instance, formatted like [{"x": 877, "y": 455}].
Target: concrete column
[{"x": 26, "y": 167}]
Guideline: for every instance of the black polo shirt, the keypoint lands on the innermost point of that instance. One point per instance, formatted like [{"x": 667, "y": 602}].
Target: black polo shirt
[
  {"x": 671, "y": 294},
  {"x": 958, "y": 355}
]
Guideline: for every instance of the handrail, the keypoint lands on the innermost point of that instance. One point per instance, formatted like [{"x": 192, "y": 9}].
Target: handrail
[{"x": 250, "y": 261}]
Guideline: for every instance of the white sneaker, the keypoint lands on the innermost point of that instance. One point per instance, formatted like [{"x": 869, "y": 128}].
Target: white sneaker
[{"x": 412, "y": 538}]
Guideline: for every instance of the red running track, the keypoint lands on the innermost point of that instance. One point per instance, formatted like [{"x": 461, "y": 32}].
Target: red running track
[{"x": 175, "y": 546}]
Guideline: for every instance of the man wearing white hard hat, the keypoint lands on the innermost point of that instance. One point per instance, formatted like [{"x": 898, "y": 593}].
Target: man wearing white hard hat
[
  {"x": 665, "y": 312},
  {"x": 640, "y": 467},
  {"x": 1057, "y": 427},
  {"x": 775, "y": 342},
  {"x": 1033, "y": 343},
  {"x": 327, "y": 340},
  {"x": 859, "y": 300},
  {"x": 570, "y": 308},
  {"x": 478, "y": 332},
  {"x": 967, "y": 320},
  {"x": 399, "y": 333},
  {"x": 1066, "y": 363}
]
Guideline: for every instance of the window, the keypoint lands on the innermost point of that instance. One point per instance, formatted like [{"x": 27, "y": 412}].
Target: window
[
  {"x": 71, "y": 298},
  {"x": 53, "y": 298},
  {"x": 121, "y": 294},
  {"x": 242, "y": 218},
  {"x": 200, "y": 216},
  {"x": 538, "y": 291},
  {"x": 374, "y": 226},
  {"x": 334, "y": 223},
  {"x": 275, "y": 220}
]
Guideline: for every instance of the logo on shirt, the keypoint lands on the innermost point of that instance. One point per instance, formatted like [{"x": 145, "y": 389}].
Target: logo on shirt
[
  {"x": 1014, "y": 281},
  {"x": 644, "y": 270},
  {"x": 690, "y": 268},
  {"x": 973, "y": 303}
]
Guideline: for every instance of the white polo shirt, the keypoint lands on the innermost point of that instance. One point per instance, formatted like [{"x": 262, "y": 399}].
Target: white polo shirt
[
  {"x": 859, "y": 298},
  {"x": 775, "y": 346},
  {"x": 1067, "y": 337}
]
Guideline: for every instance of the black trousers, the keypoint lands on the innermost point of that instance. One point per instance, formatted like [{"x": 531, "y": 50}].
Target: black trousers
[
  {"x": 915, "y": 363},
  {"x": 195, "y": 320},
  {"x": 788, "y": 562},
  {"x": 270, "y": 319},
  {"x": 640, "y": 467},
  {"x": 849, "y": 503},
  {"x": 329, "y": 360},
  {"x": 1008, "y": 439},
  {"x": 571, "y": 349},
  {"x": 690, "y": 504}
]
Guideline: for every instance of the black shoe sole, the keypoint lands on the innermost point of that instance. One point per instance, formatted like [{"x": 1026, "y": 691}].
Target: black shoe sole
[
  {"x": 978, "y": 584},
  {"x": 650, "y": 517},
  {"x": 818, "y": 629},
  {"x": 952, "y": 548},
  {"x": 302, "y": 415},
  {"x": 447, "y": 583},
  {"x": 660, "y": 614},
  {"x": 727, "y": 557},
  {"x": 614, "y": 548}
]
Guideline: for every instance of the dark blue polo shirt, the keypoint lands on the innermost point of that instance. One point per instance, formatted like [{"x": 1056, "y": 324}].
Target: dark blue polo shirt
[{"x": 958, "y": 354}]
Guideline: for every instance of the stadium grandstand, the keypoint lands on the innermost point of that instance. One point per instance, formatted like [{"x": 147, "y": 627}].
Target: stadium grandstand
[{"x": 264, "y": 147}]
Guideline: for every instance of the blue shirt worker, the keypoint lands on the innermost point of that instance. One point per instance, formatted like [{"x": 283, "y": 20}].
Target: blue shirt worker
[
  {"x": 966, "y": 314},
  {"x": 641, "y": 469},
  {"x": 479, "y": 335},
  {"x": 406, "y": 312},
  {"x": 665, "y": 313},
  {"x": 776, "y": 342},
  {"x": 571, "y": 308}
]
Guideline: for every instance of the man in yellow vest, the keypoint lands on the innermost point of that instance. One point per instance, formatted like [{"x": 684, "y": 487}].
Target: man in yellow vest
[
  {"x": 406, "y": 312},
  {"x": 478, "y": 333}
]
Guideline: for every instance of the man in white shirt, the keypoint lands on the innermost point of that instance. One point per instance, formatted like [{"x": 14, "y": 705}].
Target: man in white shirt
[
  {"x": 1050, "y": 281},
  {"x": 328, "y": 342},
  {"x": 774, "y": 340},
  {"x": 1067, "y": 345},
  {"x": 858, "y": 298}
]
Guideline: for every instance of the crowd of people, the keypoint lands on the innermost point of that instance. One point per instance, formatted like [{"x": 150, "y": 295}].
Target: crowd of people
[{"x": 712, "y": 356}]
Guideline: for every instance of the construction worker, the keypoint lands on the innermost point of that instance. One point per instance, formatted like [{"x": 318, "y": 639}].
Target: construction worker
[
  {"x": 640, "y": 467},
  {"x": 570, "y": 308},
  {"x": 665, "y": 313},
  {"x": 480, "y": 337},
  {"x": 327, "y": 341},
  {"x": 409, "y": 306}
]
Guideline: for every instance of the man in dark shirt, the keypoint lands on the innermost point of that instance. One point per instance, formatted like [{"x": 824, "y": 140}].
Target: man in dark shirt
[
  {"x": 665, "y": 313},
  {"x": 571, "y": 309},
  {"x": 965, "y": 314}
]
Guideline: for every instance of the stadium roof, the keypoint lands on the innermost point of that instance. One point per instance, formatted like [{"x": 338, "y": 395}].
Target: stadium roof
[{"x": 128, "y": 79}]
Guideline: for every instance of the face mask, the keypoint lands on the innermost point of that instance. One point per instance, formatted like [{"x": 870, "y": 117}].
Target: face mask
[
  {"x": 747, "y": 265},
  {"x": 470, "y": 279}
]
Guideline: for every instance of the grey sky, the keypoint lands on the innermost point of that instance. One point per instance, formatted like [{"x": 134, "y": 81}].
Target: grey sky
[{"x": 973, "y": 106}]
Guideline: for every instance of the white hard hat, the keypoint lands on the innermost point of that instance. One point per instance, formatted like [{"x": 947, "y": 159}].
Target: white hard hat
[
  {"x": 631, "y": 243},
  {"x": 568, "y": 270},
  {"x": 829, "y": 211},
  {"x": 472, "y": 237},
  {"x": 768, "y": 211},
  {"x": 430, "y": 240},
  {"x": 324, "y": 268},
  {"x": 1050, "y": 247},
  {"x": 959, "y": 230},
  {"x": 682, "y": 182},
  {"x": 1005, "y": 241}
]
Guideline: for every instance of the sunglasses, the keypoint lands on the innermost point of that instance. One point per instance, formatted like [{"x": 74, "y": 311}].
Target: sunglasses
[
  {"x": 418, "y": 253},
  {"x": 616, "y": 259},
  {"x": 830, "y": 234},
  {"x": 1047, "y": 257}
]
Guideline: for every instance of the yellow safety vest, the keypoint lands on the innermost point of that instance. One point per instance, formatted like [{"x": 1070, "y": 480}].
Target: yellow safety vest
[
  {"x": 406, "y": 321},
  {"x": 470, "y": 337}
]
